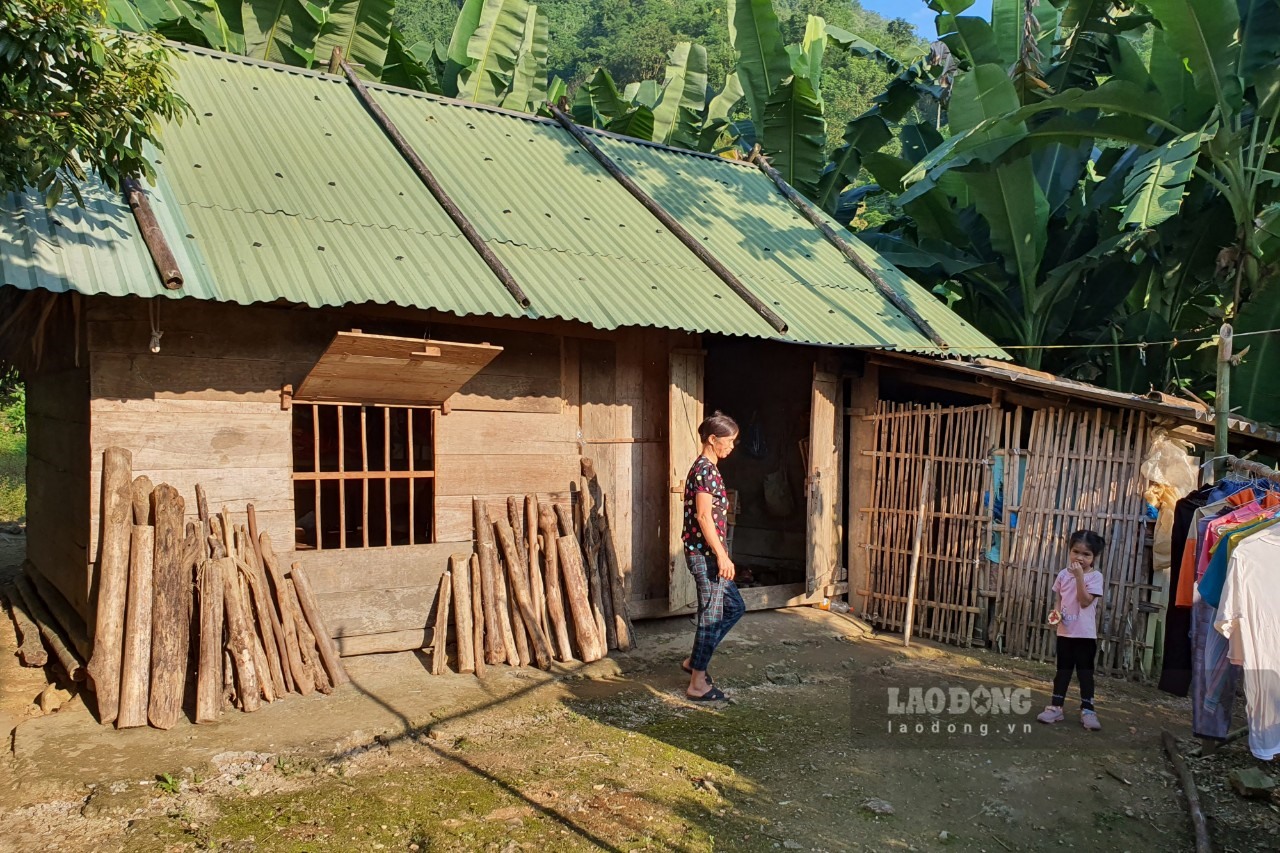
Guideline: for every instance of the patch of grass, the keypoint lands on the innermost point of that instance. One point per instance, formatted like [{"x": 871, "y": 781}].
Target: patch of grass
[
  {"x": 13, "y": 476},
  {"x": 167, "y": 784}
]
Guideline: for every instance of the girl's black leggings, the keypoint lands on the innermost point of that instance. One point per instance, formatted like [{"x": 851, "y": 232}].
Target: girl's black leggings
[{"x": 1075, "y": 654}]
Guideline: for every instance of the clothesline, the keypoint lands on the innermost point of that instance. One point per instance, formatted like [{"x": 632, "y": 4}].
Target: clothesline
[{"x": 1254, "y": 469}]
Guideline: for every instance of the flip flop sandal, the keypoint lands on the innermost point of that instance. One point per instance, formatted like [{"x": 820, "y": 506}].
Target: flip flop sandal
[{"x": 715, "y": 694}]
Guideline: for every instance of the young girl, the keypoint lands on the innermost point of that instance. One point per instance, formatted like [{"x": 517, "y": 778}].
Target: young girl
[{"x": 1079, "y": 589}]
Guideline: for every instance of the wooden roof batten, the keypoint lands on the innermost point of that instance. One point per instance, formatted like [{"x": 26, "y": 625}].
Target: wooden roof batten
[
  {"x": 859, "y": 263},
  {"x": 669, "y": 222},
  {"x": 387, "y": 126}
]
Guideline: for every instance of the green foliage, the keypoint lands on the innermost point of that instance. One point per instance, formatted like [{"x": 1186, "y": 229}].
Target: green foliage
[
  {"x": 13, "y": 470},
  {"x": 167, "y": 784},
  {"x": 13, "y": 409},
  {"x": 75, "y": 97}
]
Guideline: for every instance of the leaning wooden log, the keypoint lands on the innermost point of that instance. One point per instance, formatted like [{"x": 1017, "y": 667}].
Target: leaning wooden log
[
  {"x": 537, "y": 585},
  {"x": 307, "y": 644},
  {"x": 517, "y": 617},
  {"x": 116, "y": 521},
  {"x": 565, "y": 520},
  {"x": 64, "y": 615},
  {"x": 477, "y": 617},
  {"x": 239, "y": 638},
  {"x": 135, "y": 665},
  {"x": 555, "y": 597},
  {"x": 31, "y": 652},
  {"x": 277, "y": 626},
  {"x": 141, "y": 492},
  {"x": 315, "y": 620},
  {"x": 460, "y": 571},
  {"x": 575, "y": 584},
  {"x": 520, "y": 586},
  {"x": 589, "y": 509},
  {"x": 202, "y": 510},
  {"x": 487, "y": 553},
  {"x": 263, "y": 610},
  {"x": 617, "y": 581},
  {"x": 440, "y": 635},
  {"x": 300, "y": 672},
  {"x": 171, "y": 610},
  {"x": 209, "y": 660},
  {"x": 591, "y": 565},
  {"x": 1189, "y": 788},
  {"x": 53, "y": 639}
]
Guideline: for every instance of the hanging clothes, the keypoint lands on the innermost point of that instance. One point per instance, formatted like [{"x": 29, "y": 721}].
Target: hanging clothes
[
  {"x": 1175, "y": 672},
  {"x": 1249, "y": 616},
  {"x": 1223, "y": 498}
]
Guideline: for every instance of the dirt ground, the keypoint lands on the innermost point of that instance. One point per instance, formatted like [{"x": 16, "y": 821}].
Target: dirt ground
[{"x": 610, "y": 756}]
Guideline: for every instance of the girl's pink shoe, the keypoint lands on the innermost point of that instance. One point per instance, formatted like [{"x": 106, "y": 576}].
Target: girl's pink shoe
[
  {"x": 1051, "y": 714},
  {"x": 1089, "y": 720}
]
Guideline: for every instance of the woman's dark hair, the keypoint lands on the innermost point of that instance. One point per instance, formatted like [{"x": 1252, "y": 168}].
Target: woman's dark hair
[
  {"x": 1095, "y": 543},
  {"x": 719, "y": 424}
]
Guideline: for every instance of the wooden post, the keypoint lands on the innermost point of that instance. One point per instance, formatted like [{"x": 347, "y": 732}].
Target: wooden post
[
  {"x": 555, "y": 597},
  {"x": 66, "y": 658},
  {"x": 64, "y": 616},
  {"x": 575, "y": 583},
  {"x": 537, "y": 586},
  {"x": 171, "y": 611},
  {"x": 209, "y": 667},
  {"x": 31, "y": 651},
  {"x": 263, "y": 609},
  {"x": 1189, "y": 788},
  {"x": 477, "y": 617},
  {"x": 460, "y": 571},
  {"x": 440, "y": 635},
  {"x": 307, "y": 643},
  {"x": 1222, "y": 401},
  {"x": 520, "y": 589},
  {"x": 288, "y": 618},
  {"x": 517, "y": 618},
  {"x": 277, "y": 625},
  {"x": 926, "y": 492},
  {"x": 135, "y": 668},
  {"x": 113, "y": 579},
  {"x": 141, "y": 491},
  {"x": 617, "y": 582},
  {"x": 494, "y": 634},
  {"x": 311, "y": 609},
  {"x": 239, "y": 639}
]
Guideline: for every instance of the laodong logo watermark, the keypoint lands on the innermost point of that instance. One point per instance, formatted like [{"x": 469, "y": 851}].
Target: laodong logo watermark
[{"x": 934, "y": 716}]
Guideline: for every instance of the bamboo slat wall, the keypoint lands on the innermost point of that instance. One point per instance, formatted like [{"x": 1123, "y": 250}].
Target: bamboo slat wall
[
  {"x": 955, "y": 535},
  {"x": 1081, "y": 471}
]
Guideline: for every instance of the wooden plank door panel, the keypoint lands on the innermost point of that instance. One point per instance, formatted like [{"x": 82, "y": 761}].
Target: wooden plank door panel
[
  {"x": 822, "y": 486},
  {"x": 685, "y": 412}
]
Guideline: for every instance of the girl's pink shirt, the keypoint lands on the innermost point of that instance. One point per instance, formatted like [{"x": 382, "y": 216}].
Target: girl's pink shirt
[{"x": 1076, "y": 621}]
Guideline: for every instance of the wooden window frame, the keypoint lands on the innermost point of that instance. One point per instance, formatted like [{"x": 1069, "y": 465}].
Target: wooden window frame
[{"x": 364, "y": 475}]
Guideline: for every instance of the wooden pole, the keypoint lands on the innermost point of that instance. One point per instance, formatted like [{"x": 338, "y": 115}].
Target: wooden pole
[
  {"x": 315, "y": 620},
  {"x": 209, "y": 666},
  {"x": 263, "y": 609},
  {"x": 141, "y": 491},
  {"x": 135, "y": 668},
  {"x": 1189, "y": 788},
  {"x": 460, "y": 571},
  {"x": 288, "y": 618},
  {"x": 555, "y": 597},
  {"x": 1222, "y": 401},
  {"x": 440, "y": 635},
  {"x": 66, "y": 658},
  {"x": 575, "y": 583},
  {"x": 307, "y": 643},
  {"x": 113, "y": 579},
  {"x": 434, "y": 186},
  {"x": 239, "y": 638},
  {"x": 63, "y": 614},
  {"x": 277, "y": 625},
  {"x": 617, "y": 582},
  {"x": 669, "y": 222},
  {"x": 31, "y": 651},
  {"x": 926, "y": 493},
  {"x": 171, "y": 611},
  {"x": 520, "y": 588},
  {"x": 517, "y": 617},
  {"x": 537, "y": 585},
  {"x": 883, "y": 287},
  {"x": 487, "y": 554},
  {"x": 152, "y": 235},
  {"x": 477, "y": 617}
]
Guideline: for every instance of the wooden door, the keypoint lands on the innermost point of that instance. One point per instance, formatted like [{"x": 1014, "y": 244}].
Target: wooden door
[
  {"x": 822, "y": 486},
  {"x": 685, "y": 415}
]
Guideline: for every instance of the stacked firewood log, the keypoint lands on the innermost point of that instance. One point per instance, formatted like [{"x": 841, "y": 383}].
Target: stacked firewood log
[
  {"x": 543, "y": 584},
  {"x": 181, "y": 604}
]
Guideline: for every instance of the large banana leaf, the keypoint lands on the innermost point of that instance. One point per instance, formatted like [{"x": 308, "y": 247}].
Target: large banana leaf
[
  {"x": 1188, "y": 105},
  {"x": 970, "y": 38},
  {"x": 636, "y": 123},
  {"x": 529, "y": 79},
  {"x": 598, "y": 101},
  {"x": 684, "y": 94},
  {"x": 794, "y": 133},
  {"x": 1007, "y": 28},
  {"x": 493, "y": 51},
  {"x": 1259, "y": 37},
  {"x": 762, "y": 60},
  {"x": 418, "y": 66},
  {"x": 282, "y": 30},
  {"x": 867, "y": 133},
  {"x": 1255, "y": 384},
  {"x": 209, "y": 23},
  {"x": 463, "y": 28},
  {"x": 646, "y": 93},
  {"x": 1154, "y": 189},
  {"x": 1203, "y": 34},
  {"x": 362, "y": 28}
]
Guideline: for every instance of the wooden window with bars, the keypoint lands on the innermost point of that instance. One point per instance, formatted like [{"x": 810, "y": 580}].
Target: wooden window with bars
[{"x": 363, "y": 475}]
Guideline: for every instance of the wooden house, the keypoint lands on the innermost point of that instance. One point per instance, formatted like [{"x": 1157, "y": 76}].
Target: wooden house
[{"x": 328, "y": 344}]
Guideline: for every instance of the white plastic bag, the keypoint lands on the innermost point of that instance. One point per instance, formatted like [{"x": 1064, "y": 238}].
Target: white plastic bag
[{"x": 1170, "y": 464}]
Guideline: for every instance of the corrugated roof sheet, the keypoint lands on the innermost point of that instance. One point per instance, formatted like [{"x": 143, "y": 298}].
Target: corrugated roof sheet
[{"x": 283, "y": 187}]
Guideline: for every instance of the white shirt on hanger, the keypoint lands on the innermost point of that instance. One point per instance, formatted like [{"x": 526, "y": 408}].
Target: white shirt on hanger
[{"x": 1249, "y": 616}]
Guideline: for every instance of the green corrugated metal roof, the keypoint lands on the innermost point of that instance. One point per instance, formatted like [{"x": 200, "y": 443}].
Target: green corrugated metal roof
[{"x": 282, "y": 187}]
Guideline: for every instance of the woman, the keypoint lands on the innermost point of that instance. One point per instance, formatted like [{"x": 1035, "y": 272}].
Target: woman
[{"x": 706, "y": 507}]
